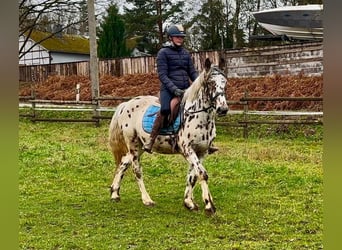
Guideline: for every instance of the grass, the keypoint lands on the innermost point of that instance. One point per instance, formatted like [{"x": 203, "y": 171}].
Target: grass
[{"x": 267, "y": 190}]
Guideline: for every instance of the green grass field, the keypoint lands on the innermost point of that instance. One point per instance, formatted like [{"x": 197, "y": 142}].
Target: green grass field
[{"x": 268, "y": 191}]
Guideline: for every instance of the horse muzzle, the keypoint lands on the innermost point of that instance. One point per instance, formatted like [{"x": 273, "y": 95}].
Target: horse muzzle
[{"x": 222, "y": 111}]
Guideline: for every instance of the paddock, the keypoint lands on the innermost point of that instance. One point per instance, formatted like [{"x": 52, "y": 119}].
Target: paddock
[{"x": 266, "y": 197}]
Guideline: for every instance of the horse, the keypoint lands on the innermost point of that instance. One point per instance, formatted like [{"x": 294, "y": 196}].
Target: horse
[{"x": 201, "y": 102}]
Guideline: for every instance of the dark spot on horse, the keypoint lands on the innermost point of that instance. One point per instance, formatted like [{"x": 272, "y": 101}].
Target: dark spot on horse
[
  {"x": 191, "y": 117},
  {"x": 126, "y": 125},
  {"x": 129, "y": 115},
  {"x": 206, "y": 201},
  {"x": 205, "y": 176},
  {"x": 137, "y": 106},
  {"x": 132, "y": 110},
  {"x": 193, "y": 181},
  {"x": 189, "y": 135},
  {"x": 121, "y": 111},
  {"x": 203, "y": 137},
  {"x": 138, "y": 174}
]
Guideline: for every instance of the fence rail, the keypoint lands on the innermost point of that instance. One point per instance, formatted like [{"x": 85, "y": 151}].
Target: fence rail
[{"x": 35, "y": 105}]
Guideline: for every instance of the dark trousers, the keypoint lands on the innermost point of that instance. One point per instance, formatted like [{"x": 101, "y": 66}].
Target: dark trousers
[{"x": 165, "y": 100}]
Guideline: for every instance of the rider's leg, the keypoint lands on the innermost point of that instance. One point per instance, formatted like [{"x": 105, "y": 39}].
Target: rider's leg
[
  {"x": 161, "y": 119},
  {"x": 157, "y": 125}
]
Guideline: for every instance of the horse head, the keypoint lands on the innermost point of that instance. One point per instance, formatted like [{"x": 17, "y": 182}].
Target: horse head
[{"x": 215, "y": 87}]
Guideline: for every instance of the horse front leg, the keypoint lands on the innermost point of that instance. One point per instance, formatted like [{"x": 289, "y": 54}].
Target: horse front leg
[
  {"x": 202, "y": 177},
  {"x": 190, "y": 185}
]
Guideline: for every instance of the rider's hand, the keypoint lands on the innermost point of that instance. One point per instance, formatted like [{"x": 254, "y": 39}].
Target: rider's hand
[{"x": 179, "y": 92}]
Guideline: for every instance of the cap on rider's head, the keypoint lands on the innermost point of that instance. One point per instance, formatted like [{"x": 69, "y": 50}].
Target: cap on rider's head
[{"x": 176, "y": 30}]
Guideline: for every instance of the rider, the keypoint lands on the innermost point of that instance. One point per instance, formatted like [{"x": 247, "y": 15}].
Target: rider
[{"x": 175, "y": 68}]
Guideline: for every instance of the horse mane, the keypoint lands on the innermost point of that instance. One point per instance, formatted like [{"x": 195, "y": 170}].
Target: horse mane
[{"x": 193, "y": 91}]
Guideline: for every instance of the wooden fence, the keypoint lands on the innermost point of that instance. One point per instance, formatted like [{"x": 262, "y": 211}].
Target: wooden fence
[
  {"x": 306, "y": 58},
  {"x": 284, "y": 117}
]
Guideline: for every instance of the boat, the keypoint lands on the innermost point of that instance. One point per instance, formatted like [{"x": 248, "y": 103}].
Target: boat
[{"x": 301, "y": 22}]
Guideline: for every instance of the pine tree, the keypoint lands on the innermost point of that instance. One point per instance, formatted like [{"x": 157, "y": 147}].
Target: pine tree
[
  {"x": 146, "y": 20},
  {"x": 111, "y": 43}
]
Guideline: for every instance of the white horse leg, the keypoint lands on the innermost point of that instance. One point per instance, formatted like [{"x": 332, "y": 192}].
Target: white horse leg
[
  {"x": 207, "y": 198},
  {"x": 190, "y": 185},
  {"x": 119, "y": 173},
  {"x": 146, "y": 199},
  {"x": 202, "y": 177}
]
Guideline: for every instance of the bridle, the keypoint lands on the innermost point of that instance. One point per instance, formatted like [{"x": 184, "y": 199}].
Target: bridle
[{"x": 212, "y": 99}]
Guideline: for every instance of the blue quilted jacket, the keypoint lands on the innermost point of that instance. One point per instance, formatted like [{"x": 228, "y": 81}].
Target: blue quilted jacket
[{"x": 175, "y": 68}]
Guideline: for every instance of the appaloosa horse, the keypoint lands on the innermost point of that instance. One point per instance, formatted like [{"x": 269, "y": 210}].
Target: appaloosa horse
[{"x": 128, "y": 132}]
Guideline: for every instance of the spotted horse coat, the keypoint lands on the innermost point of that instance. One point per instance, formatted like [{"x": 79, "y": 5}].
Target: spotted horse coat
[{"x": 201, "y": 102}]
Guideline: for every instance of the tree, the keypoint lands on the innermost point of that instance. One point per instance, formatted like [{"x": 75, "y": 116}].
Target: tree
[
  {"x": 146, "y": 20},
  {"x": 111, "y": 35},
  {"x": 46, "y": 15},
  {"x": 213, "y": 27}
]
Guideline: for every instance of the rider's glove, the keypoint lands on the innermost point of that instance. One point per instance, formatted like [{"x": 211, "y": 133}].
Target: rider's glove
[{"x": 179, "y": 92}]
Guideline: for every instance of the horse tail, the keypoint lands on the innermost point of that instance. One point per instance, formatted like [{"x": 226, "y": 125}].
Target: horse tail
[{"x": 116, "y": 140}]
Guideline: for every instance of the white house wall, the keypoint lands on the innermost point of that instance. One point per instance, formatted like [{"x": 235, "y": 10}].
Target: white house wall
[
  {"x": 36, "y": 56},
  {"x": 39, "y": 55}
]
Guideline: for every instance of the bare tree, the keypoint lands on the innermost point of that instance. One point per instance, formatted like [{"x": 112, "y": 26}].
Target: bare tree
[{"x": 47, "y": 15}]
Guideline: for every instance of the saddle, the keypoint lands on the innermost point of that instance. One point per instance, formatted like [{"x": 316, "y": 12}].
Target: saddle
[{"x": 173, "y": 121}]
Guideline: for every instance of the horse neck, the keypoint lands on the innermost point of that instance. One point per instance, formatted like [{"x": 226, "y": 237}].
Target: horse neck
[{"x": 199, "y": 105}]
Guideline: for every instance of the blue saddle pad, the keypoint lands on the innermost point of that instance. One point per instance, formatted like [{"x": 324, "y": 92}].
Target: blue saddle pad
[{"x": 149, "y": 117}]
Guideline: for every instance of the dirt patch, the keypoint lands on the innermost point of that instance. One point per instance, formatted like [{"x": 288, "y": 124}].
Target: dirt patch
[{"x": 64, "y": 88}]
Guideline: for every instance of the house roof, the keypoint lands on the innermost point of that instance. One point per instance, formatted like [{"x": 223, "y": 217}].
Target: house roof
[{"x": 63, "y": 43}]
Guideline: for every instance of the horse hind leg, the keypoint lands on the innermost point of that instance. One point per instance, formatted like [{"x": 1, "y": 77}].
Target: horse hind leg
[
  {"x": 118, "y": 176},
  {"x": 146, "y": 199}
]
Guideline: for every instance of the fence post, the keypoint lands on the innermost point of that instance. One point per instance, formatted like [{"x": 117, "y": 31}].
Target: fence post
[
  {"x": 77, "y": 92},
  {"x": 33, "y": 94},
  {"x": 245, "y": 114}
]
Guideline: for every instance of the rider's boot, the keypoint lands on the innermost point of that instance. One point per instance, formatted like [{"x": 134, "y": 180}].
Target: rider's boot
[{"x": 157, "y": 125}]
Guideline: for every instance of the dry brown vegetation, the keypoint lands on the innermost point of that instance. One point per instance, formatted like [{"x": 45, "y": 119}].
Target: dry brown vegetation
[{"x": 64, "y": 88}]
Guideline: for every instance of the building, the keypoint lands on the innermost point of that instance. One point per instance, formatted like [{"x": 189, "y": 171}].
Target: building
[{"x": 45, "y": 48}]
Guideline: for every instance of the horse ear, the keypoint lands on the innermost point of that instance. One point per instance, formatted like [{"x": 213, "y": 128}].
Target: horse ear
[{"x": 207, "y": 64}]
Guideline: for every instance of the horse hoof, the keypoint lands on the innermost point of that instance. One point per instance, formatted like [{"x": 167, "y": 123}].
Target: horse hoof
[
  {"x": 210, "y": 211},
  {"x": 194, "y": 206},
  {"x": 116, "y": 199},
  {"x": 149, "y": 204}
]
